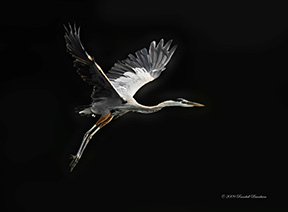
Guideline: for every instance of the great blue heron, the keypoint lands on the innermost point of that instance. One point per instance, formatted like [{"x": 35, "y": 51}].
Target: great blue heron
[{"x": 113, "y": 92}]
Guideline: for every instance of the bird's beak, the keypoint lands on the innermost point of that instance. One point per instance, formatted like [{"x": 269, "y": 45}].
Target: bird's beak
[{"x": 195, "y": 104}]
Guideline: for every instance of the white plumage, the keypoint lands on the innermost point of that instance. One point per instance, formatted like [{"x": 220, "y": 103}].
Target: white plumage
[{"x": 129, "y": 83}]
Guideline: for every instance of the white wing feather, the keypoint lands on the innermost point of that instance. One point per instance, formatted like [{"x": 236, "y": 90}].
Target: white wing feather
[
  {"x": 129, "y": 75},
  {"x": 129, "y": 83}
]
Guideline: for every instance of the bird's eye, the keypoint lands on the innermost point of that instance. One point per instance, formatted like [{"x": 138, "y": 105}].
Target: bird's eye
[{"x": 181, "y": 99}]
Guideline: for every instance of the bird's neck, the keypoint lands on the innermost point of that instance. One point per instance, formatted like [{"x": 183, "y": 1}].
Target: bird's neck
[{"x": 151, "y": 109}]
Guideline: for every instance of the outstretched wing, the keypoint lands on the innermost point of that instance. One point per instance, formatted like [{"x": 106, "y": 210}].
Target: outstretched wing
[
  {"x": 86, "y": 66},
  {"x": 129, "y": 75}
]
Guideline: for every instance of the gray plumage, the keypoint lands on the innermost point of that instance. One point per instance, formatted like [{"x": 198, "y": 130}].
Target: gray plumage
[
  {"x": 113, "y": 92},
  {"x": 153, "y": 61}
]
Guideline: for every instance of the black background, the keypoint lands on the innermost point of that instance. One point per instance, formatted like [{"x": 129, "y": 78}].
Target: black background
[{"x": 232, "y": 57}]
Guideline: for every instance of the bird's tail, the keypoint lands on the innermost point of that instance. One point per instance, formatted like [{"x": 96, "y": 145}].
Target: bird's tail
[{"x": 83, "y": 110}]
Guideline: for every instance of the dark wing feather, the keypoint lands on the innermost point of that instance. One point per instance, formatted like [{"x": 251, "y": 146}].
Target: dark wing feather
[
  {"x": 86, "y": 66},
  {"x": 129, "y": 75}
]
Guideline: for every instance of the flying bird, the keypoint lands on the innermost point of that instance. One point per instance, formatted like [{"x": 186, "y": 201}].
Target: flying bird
[{"x": 113, "y": 91}]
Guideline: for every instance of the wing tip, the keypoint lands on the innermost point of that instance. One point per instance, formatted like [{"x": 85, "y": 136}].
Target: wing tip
[
  {"x": 173, "y": 49},
  {"x": 168, "y": 44},
  {"x": 153, "y": 44},
  {"x": 161, "y": 44},
  {"x": 69, "y": 30}
]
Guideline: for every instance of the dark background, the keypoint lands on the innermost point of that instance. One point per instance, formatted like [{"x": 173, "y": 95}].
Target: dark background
[{"x": 232, "y": 57}]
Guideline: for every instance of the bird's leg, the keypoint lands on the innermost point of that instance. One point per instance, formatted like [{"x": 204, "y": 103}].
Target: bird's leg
[
  {"x": 88, "y": 136},
  {"x": 76, "y": 158},
  {"x": 82, "y": 147},
  {"x": 102, "y": 119},
  {"x": 109, "y": 118},
  {"x": 100, "y": 125}
]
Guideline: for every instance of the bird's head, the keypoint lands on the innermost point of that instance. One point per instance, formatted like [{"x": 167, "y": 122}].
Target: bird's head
[
  {"x": 185, "y": 103},
  {"x": 180, "y": 102}
]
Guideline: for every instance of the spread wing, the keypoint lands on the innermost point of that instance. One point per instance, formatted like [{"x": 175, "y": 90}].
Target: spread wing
[
  {"x": 129, "y": 75},
  {"x": 87, "y": 68}
]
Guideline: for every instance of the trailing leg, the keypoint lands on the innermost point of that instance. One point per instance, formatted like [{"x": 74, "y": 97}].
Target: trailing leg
[{"x": 88, "y": 136}]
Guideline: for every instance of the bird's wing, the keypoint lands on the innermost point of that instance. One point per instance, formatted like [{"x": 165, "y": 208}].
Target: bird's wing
[
  {"x": 129, "y": 75},
  {"x": 86, "y": 66}
]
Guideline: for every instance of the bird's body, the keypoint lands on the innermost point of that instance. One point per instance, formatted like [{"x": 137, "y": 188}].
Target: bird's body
[{"x": 113, "y": 92}]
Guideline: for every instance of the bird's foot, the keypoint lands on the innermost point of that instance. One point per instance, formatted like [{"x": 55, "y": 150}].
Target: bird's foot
[{"x": 74, "y": 161}]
